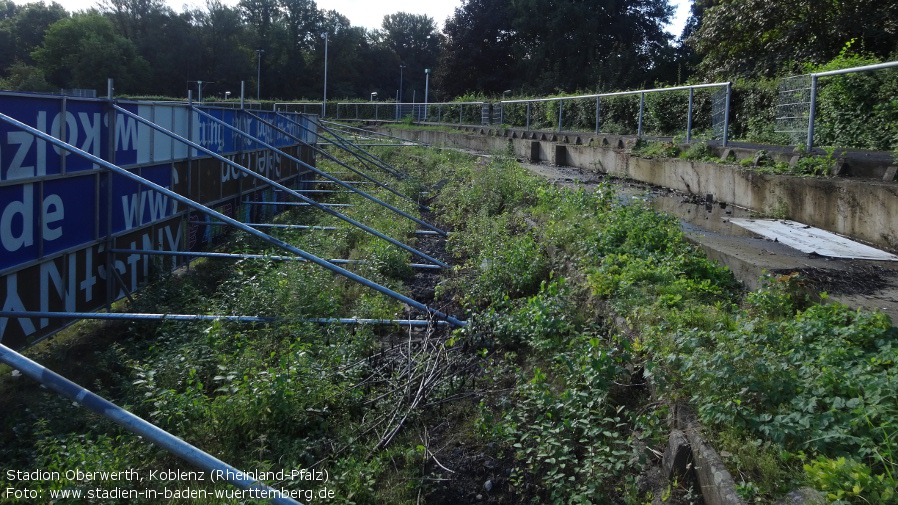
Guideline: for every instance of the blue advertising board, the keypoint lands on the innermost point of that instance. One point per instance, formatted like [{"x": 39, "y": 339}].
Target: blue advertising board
[{"x": 60, "y": 211}]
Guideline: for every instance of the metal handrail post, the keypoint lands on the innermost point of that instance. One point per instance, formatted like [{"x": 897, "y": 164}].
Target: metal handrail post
[
  {"x": 641, "y": 111},
  {"x": 689, "y": 117},
  {"x": 528, "y": 116},
  {"x": 138, "y": 426},
  {"x": 598, "y": 113},
  {"x": 726, "y": 115},
  {"x": 812, "y": 113},
  {"x": 560, "y": 112}
]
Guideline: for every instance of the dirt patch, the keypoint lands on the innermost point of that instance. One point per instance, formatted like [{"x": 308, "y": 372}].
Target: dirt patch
[{"x": 856, "y": 278}]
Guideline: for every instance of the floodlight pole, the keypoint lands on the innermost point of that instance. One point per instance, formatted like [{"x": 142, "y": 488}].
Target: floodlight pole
[
  {"x": 259, "y": 74},
  {"x": 324, "y": 102}
]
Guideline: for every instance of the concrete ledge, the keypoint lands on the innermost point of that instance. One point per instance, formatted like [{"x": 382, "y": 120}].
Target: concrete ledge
[
  {"x": 864, "y": 210},
  {"x": 717, "y": 485}
]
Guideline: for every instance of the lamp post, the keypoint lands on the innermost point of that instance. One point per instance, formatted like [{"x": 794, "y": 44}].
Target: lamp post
[
  {"x": 259, "y": 74},
  {"x": 400, "y": 82},
  {"x": 324, "y": 102},
  {"x": 426, "y": 89}
]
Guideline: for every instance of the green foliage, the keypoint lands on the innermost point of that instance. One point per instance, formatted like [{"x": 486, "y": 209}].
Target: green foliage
[
  {"x": 699, "y": 151},
  {"x": 850, "y": 481},
  {"x": 101, "y": 53},
  {"x": 816, "y": 166},
  {"x": 857, "y": 110},
  {"x": 543, "y": 321},
  {"x": 820, "y": 382},
  {"x": 567, "y": 425},
  {"x": 650, "y": 149},
  {"x": 751, "y": 38},
  {"x": 25, "y": 78}
]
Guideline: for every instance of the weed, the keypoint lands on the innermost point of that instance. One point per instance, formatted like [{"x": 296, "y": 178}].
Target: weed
[
  {"x": 652, "y": 149},
  {"x": 816, "y": 166},
  {"x": 698, "y": 151}
]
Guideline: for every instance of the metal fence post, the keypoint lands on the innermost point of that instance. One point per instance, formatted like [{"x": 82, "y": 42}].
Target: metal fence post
[
  {"x": 560, "y": 112},
  {"x": 689, "y": 116},
  {"x": 598, "y": 113},
  {"x": 641, "y": 110},
  {"x": 726, "y": 115},
  {"x": 812, "y": 113},
  {"x": 528, "y": 116}
]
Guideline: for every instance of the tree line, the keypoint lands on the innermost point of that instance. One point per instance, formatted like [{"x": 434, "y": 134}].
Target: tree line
[{"x": 487, "y": 47}]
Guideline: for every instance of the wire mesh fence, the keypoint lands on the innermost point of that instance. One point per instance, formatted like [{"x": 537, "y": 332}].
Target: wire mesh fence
[
  {"x": 793, "y": 107},
  {"x": 719, "y": 114}
]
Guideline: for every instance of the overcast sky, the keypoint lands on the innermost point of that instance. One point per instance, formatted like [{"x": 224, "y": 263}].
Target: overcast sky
[{"x": 370, "y": 13}]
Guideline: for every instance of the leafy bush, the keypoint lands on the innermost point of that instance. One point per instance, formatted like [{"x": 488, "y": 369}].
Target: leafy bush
[{"x": 568, "y": 426}]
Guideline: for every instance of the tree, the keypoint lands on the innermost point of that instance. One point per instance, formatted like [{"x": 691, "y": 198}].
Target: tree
[
  {"x": 349, "y": 70},
  {"x": 573, "y": 44},
  {"x": 478, "y": 51},
  {"x": 553, "y": 45},
  {"x": 22, "y": 30},
  {"x": 262, "y": 15},
  {"x": 415, "y": 40},
  {"x": 23, "y": 77},
  {"x": 303, "y": 20},
  {"x": 133, "y": 18},
  {"x": 226, "y": 56},
  {"x": 83, "y": 51},
  {"x": 752, "y": 38}
]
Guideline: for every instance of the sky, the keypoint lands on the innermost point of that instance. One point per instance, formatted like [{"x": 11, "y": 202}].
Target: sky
[{"x": 370, "y": 13}]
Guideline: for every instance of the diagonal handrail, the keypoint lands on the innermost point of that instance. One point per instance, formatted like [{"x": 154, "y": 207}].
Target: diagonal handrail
[
  {"x": 141, "y": 427},
  {"x": 280, "y": 186},
  {"x": 331, "y": 157},
  {"x": 319, "y": 172},
  {"x": 339, "y": 141}
]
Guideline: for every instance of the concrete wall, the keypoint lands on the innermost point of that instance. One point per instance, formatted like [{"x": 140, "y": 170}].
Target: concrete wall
[{"x": 863, "y": 209}]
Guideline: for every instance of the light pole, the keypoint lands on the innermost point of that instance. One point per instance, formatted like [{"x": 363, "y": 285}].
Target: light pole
[
  {"x": 324, "y": 102},
  {"x": 400, "y": 82},
  {"x": 259, "y": 74},
  {"x": 199, "y": 86},
  {"x": 426, "y": 89}
]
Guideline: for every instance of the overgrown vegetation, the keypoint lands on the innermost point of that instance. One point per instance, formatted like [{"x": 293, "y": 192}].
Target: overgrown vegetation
[
  {"x": 764, "y": 372},
  {"x": 575, "y": 301}
]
